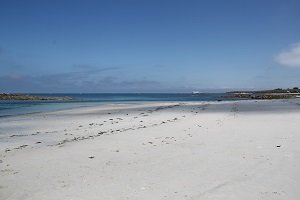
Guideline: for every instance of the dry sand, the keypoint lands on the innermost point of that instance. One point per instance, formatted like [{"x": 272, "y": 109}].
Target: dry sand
[{"x": 204, "y": 150}]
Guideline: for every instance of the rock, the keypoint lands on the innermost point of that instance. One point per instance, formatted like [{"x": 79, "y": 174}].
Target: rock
[{"x": 6, "y": 96}]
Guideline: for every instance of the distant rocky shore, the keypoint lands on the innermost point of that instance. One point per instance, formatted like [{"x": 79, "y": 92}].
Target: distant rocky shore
[
  {"x": 6, "y": 96},
  {"x": 265, "y": 94}
]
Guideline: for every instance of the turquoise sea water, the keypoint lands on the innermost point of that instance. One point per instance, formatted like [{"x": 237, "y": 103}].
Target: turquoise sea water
[{"x": 8, "y": 108}]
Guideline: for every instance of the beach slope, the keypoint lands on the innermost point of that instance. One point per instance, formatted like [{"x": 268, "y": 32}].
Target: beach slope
[{"x": 203, "y": 150}]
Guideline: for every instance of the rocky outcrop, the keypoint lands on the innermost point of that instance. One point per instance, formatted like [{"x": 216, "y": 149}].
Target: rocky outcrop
[
  {"x": 259, "y": 96},
  {"x": 271, "y": 94},
  {"x": 6, "y": 96}
]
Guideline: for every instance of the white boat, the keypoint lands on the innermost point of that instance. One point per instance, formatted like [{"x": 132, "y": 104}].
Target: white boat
[{"x": 195, "y": 92}]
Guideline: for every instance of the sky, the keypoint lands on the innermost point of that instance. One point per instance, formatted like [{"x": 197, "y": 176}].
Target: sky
[{"x": 148, "y": 45}]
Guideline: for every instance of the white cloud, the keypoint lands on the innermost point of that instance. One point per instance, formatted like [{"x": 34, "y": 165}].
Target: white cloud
[{"x": 290, "y": 57}]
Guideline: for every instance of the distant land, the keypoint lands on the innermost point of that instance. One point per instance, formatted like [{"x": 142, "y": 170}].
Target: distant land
[
  {"x": 7, "y": 96},
  {"x": 278, "y": 93}
]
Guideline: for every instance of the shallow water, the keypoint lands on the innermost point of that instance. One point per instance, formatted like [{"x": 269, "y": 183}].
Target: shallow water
[{"x": 14, "y": 107}]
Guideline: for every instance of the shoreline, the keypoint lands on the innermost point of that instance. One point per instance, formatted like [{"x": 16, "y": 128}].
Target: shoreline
[
  {"x": 91, "y": 104},
  {"x": 123, "y": 151}
]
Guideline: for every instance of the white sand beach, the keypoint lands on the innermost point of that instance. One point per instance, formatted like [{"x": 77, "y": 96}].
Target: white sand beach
[{"x": 189, "y": 150}]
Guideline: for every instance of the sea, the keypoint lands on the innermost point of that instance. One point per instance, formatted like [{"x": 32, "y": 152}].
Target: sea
[{"x": 21, "y": 107}]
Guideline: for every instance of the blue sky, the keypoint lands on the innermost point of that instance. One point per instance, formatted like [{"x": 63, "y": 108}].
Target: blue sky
[{"x": 148, "y": 46}]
